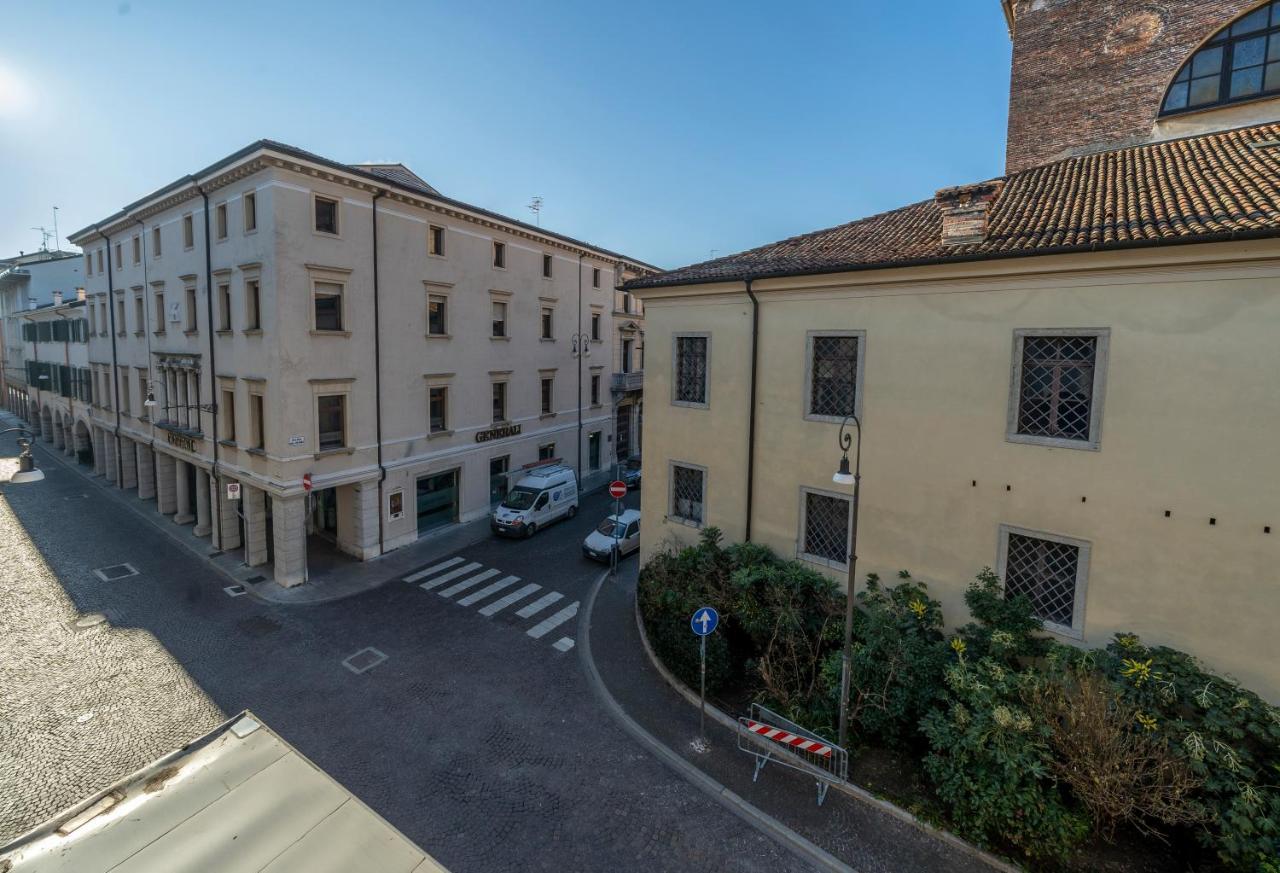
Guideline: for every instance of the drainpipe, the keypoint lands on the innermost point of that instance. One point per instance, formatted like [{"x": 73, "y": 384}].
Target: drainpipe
[
  {"x": 582, "y": 346},
  {"x": 213, "y": 370},
  {"x": 377, "y": 376},
  {"x": 146, "y": 333},
  {"x": 115, "y": 367},
  {"x": 751, "y": 421}
]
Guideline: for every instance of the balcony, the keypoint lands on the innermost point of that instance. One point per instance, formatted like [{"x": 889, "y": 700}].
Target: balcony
[{"x": 633, "y": 381}]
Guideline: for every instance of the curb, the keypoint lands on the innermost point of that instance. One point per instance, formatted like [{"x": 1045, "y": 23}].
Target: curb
[
  {"x": 735, "y": 803},
  {"x": 847, "y": 788}
]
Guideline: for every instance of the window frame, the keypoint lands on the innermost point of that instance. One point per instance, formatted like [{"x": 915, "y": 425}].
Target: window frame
[
  {"x": 252, "y": 303},
  {"x": 1223, "y": 38},
  {"x": 499, "y": 259},
  {"x": 1085, "y": 547},
  {"x": 505, "y": 302},
  {"x": 249, "y": 212},
  {"x": 859, "y": 359},
  {"x": 803, "y": 522},
  {"x": 344, "y": 396},
  {"x": 548, "y": 265},
  {"x": 342, "y": 329},
  {"x": 336, "y": 233},
  {"x": 227, "y": 421},
  {"x": 444, "y": 414},
  {"x": 438, "y": 296},
  {"x": 546, "y": 322},
  {"x": 671, "y": 494},
  {"x": 221, "y": 226},
  {"x": 257, "y": 420},
  {"x": 1102, "y": 345},
  {"x": 705, "y": 403},
  {"x": 597, "y": 323},
  {"x": 136, "y": 251},
  {"x": 191, "y": 301},
  {"x": 156, "y": 241},
  {"x": 188, "y": 231},
  {"x": 595, "y": 389},
  {"x": 225, "y": 312},
  {"x": 595, "y": 277},
  {"x": 547, "y": 394},
  {"x": 506, "y": 399}
]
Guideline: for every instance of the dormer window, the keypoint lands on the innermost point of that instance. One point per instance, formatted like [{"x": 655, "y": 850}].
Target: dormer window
[{"x": 1241, "y": 62}]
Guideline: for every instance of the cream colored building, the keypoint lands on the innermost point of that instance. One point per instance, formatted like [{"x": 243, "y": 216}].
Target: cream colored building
[
  {"x": 1066, "y": 374},
  {"x": 295, "y": 319},
  {"x": 54, "y": 388}
]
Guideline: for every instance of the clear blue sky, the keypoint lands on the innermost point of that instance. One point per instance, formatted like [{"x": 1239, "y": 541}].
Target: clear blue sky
[{"x": 661, "y": 129}]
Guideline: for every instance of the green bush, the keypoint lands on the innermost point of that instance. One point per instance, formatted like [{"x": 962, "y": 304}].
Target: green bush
[
  {"x": 991, "y": 763},
  {"x": 1003, "y": 628},
  {"x": 1229, "y": 737}
]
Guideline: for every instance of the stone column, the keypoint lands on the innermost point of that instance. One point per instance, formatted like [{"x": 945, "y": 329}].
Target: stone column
[
  {"x": 226, "y": 536},
  {"x": 364, "y": 519},
  {"x": 166, "y": 501},
  {"x": 69, "y": 437},
  {"x": 202, "y": 504},
  {"x": 59, "y": 438},
  {"x": 288, "y": 521},
  {"x": 109, "y": 455},
  {"x": 96, "y": 439},
  {"x": 128, "y": 464},
  {"x": 181, "y": 493},
  {"x": 146, "y": 471},
  {"x": 255, "y": 526}
]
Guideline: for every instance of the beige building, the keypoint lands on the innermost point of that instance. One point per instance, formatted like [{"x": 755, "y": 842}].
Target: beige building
[
  {"x": 279, "y": 319},
  {"x": 1066, "y": 374},
  {"x": 54, "y": 389}
]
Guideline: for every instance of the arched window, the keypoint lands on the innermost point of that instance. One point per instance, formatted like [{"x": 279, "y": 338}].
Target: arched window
[{"x": 1241, "y": 62}]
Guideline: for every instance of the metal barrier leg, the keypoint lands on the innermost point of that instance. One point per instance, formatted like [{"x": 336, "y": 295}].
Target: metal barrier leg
[
  {"x": 760, "y": 762},
  {"x": 822, "y": 791}
]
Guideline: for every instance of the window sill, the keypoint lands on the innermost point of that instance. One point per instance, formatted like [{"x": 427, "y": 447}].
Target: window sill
[
  {"x": 547, "y": 415},
  {"x": 819, "y": 561},
  {"x": 259, "y": 453},
  {"x": 687, "y": 522},
  {"x": 439, "y": 434},
  {"x": 230, "y": 444},
  {"x": 341, "y": 333},
  {"x": 120, "y": 333},
  {"x": 690, "y": 404},
  {"x": 548, "y": 339},
  {"x": 502, "y": 339},
  {"x": 157, "y": 333},
  {"x": 252, "y": 331},
  {"x": 139, "y": 332},
  {"x": 342, "y": 450},
  {"x": 1053, "y": 442},
  {"x": 191, "y": 332},
  {"x": 226, "y": 331},
  {"x": 594, "y": 340},
  {"x": 431, "y": 336},
  {"x": 597, "y": 406}
]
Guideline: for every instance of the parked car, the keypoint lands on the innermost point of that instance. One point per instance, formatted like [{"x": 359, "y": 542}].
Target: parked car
[
  {"x": 622, "y": 530},
  {"x": 630, "y": 472},
  {"x": 545, "y": 495}
]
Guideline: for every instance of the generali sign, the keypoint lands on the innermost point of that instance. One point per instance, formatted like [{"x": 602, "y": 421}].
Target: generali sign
[{"x": 497, "y": 433}]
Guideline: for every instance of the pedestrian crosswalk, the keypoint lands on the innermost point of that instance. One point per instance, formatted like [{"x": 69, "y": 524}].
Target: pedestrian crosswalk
[{"x": 471, "y": 584}]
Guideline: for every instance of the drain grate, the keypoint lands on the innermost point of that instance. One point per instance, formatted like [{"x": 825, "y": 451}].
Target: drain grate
[
  {"x": 235, "y": 590},
  {"x": 365, "y": 659},
  {"x": 254, "y": 580},
  {"x": 115, "y": 571}
]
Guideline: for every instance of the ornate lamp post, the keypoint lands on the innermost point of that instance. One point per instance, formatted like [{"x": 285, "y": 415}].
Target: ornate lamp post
[
  {"x": 27, "y": 470},
  {"x": 844, "y": 477}
]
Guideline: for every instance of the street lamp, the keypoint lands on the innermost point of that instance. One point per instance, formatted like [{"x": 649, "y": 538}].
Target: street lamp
[
  {"x": 27, "y": 470},
  {"x": 579, "y": 348},
  {"x": 844, "y": 477}
]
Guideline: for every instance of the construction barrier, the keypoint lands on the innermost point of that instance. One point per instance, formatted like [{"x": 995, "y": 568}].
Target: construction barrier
[{"x": 767, "y": 736}]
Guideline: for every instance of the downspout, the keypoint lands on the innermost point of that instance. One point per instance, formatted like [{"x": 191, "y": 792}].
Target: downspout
[
  {"x": 751, "y": 420},
  {"x": 582, "y": 348},
  {"x": 377, "y": 377},
  {"x": 115, "y": 366},
  {"x": 146, "y": 332},
  {"x": 213, "y": 370}
]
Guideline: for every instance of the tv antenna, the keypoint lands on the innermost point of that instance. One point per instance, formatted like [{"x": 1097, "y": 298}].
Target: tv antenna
[
  {"x": 535, "y": 206},
  {"x": 44, "y": 238}
]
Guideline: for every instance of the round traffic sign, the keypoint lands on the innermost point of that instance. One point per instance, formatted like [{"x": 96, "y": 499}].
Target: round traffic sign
[
  {"x": 306, "y": 482},
  {"x": 704, "y": 620},
  {"x": 617, "y": 489}
]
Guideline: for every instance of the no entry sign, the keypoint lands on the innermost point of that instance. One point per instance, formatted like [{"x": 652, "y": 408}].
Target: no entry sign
[
  {"x": 617, "y": 489},
  {"x": 306, "y": 482}
]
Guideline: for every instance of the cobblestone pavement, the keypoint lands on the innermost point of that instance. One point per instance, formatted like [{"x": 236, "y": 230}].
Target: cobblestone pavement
[{"x": 480, "y": 742}]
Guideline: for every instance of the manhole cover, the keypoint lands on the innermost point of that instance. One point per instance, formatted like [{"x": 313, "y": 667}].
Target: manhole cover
[{"x": 115, "y": 571}]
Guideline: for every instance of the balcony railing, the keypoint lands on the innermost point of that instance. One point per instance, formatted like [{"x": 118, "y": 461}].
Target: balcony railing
[{"x": 632, "y": 381}]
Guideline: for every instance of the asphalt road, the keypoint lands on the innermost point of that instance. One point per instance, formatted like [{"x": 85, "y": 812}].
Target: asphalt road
[{"x": 480, "y": 741}]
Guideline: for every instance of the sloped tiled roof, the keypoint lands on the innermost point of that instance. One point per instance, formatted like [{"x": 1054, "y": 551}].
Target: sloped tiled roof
[
  {"x": 1217, "y": 186},
  {"x": 398, "y": 173}
]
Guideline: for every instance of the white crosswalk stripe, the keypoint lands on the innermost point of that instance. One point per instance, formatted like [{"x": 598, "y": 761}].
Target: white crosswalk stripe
[
  {"x": 502, "y": 603},
  {"x": 468, "y": 583},
  {"x": 564, "y": 644},
  {"x": 449, "y": 577},
  {"x": 540, "y": 630},
  {"x": 422, "y": 574},
  {"x": 540, "y": 604},
  {"x": 505, "y": 582}
]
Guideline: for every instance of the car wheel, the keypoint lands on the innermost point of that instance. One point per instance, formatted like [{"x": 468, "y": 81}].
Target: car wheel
[
  {"x": 530, "y": 530},
  {"x": 573, "y": 510}
]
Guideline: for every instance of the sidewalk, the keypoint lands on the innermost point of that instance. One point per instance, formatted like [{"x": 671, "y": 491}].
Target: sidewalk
[{"x": 860, "y": 832}]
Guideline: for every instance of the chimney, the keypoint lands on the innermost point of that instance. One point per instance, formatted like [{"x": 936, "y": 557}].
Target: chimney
[
  {"x": 57, "y": 298},
  {"x": 80, "y": 294},
  {"x": 965, "y": 211}
]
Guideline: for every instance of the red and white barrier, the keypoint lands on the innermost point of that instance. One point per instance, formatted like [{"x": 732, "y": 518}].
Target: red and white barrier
[{"x": 778, "y": 735}]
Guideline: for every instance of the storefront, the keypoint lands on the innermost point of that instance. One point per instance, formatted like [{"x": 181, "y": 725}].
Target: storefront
[{"x": 437, "y": 500}]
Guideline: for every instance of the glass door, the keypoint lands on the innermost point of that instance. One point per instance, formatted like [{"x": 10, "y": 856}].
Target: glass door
[{"x": 437, "y": 501}]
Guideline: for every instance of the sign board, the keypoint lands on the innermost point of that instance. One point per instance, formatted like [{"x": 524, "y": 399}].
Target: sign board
[
  {"x": 233, "y": 490},
  {"x": 395, "y": 504},
  {"x": 704, "y": 621},
  {"x": 297, "y": 440},
  {"x": 175, "y": 311},
  {"x": 306, "y": 482},
  {"x": 617, "y": 489},
  {"x": 497, "y": 433}
]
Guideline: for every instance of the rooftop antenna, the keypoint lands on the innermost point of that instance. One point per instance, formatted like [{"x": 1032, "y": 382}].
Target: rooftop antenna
[
  {"x": 535, "y": 206},
  {"x": 57, "y": 243},
  {"x": 44, "y": 238}
]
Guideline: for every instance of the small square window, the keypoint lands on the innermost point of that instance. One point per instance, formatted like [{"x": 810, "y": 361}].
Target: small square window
[
  {"x": 548, "y": 315},
  {"x": 250, "y": 211},
  {"x": 437, "y": 308},
  {"x": 546, "y": 266},
  {"x": 220, "y": 220},
  {"x": 435, "y": 240},
  {"x": 326, "y": 217},
  {"x": 331, "y": 416},
  {"x": 499, "y": 255},
  {"x": 1056, "y": 395},
  {"x": 1050, "y": 571},
  {"x": 688, "y": 494},
  {"x": 547, "y": 384},
  {"x": 499, "y": 318},
  {"x": 438, "y": 404},
  {"x": 499, "y": 401},
  {"x": 328, "y": 306}
]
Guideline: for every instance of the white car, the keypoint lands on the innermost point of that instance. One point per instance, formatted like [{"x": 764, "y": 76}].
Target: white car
[{"x": 620, "y": 530}]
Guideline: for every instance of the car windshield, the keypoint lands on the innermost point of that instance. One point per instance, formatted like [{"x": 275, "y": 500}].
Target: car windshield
[
  {"x": 607, "y": 528},
  {"x": 633, "y": 463},
  {"x": 520, "y": 498}
]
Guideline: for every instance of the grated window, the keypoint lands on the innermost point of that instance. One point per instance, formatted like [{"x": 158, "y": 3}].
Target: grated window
[
  {"x": 687, "y": 493},
  {"x": 1056, "y": 395},
  {"x": 1046, "y": 572},
  {"x": 691, "y": 369},
  {"x": 826, "y": 527},
  {"x": 833, "y": 387}
]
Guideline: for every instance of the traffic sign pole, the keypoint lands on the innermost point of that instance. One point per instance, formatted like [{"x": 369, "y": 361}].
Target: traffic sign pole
[
  {"x": 617, "y": 490},
  {"x": 703, "y": 621},
  {"x": 702, "y": 722}
]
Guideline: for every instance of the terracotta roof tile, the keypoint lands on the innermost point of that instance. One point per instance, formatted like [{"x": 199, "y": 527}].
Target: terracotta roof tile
[{"x": 1204, "y": 188}]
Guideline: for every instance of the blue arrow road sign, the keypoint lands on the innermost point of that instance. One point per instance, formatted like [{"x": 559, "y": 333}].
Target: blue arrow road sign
[{"x": 704, "y": 621}]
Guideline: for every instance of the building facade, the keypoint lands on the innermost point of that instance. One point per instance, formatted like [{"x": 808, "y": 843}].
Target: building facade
[
  {"x": 1064, "y": 374},
  {"x": 56, "y": 394},
  {"x": 27, "y": 282},
  {"x": 365, "y": 359}
]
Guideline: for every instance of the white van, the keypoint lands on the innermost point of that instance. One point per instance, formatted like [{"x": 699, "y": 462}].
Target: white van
[{"x": 543, "y": 496}]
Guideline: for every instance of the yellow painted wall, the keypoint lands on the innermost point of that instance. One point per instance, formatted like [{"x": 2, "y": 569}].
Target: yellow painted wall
[{"x": 1190, "y": 424}]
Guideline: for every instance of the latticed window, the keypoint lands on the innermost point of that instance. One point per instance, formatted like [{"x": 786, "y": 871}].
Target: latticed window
[
  {"x": 687, "y": 493},
  {"x": 833, "y": 382},
  {"x": 826, "y": 527},
  {"x": 1056, "y": 395},
  {"x": 1240, "y": 62},
  {"x": 1046, "y": 572},
  {"x": 691, "y": 369}
]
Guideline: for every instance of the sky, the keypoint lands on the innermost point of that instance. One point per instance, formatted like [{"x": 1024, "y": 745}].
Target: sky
[{"x": 669, "y": 131}]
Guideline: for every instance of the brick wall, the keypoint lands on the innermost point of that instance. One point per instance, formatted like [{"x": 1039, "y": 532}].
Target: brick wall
[{"x": 1089, "y": 73}]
